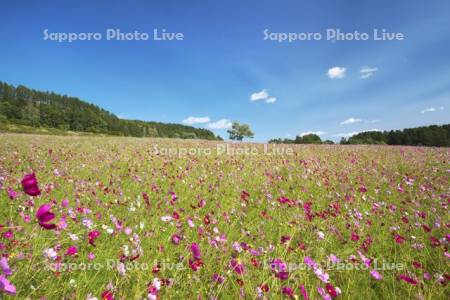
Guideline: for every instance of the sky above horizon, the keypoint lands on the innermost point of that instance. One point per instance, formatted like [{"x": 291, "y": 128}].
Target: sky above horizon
[{"x": 225, "y": 70}]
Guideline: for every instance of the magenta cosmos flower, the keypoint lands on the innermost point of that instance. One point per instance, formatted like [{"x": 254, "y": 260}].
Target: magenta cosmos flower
[
  {"x": 93, "y": 235},
  {"x": 30, "y": 185},
  {"x": 107, "y": 295},
  {"x": 237, "y": 266},
  {"x": 195, "y": 250},
  {"x": 44, "y": 216},
  {"x": 6, "y": 286},
  {"x": 72, "y": 251}
]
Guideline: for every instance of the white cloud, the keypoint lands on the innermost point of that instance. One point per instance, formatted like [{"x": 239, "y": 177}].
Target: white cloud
[
  {"x": 346, "y": 134},
  {"x": 367, "y": 72},
  {"x": 196, "y": 120},
  {"x": 431, "y": 109},
  {"x": 349, "y": 134},
  {"x": 262, "y": 95},
  {"x": 336, "y": 72},
  {"x": 319, "y": 133},
  {"x": 351, "y": 121},
  {"x": 221, "y": 124}
]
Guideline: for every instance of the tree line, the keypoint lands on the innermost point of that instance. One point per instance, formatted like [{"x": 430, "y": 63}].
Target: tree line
[
  {"x": 302, "y": 139},
  {"x": 23, "y": 106},
  {"x": 434, "y": 135}
]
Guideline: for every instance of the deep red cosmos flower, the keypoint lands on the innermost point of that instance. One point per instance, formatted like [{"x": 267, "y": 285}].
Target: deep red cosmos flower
[
  {"x": 44, "y": 216},
  {"x": 30, "y": 185}
]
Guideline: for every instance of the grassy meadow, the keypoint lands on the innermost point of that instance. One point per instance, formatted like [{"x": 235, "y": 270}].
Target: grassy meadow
[{"x": 136, "y": 218}]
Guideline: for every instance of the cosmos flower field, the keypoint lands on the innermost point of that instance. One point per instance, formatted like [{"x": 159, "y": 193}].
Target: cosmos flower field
[{"x": 110, "y": 218}]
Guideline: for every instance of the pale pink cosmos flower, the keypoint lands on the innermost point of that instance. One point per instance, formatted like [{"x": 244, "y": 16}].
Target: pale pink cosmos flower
[
  {"x": 376, "y": 275},
  {"x": 322, "y": 275}
]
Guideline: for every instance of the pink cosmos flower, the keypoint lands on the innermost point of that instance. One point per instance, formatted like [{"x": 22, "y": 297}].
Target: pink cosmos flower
[
  {"x": 255, "y": 252},
  {"x": 195, "y": 250},
  {"x": 72, "y": 251},
  {"x": 285, "y": 239},
  {"x": 277, "y": 265},
  {"x": 30, "y": 185},
  {"x": 376, "y": 275},
  {"x": 5, "y": 266},
  {"x": 399, "y": 239},
  {"x": 62, "y": 224},
  {"x": 217, "y": 278},
  {"x": 365, "y": 260},
  {"x": 317, "y": 270},
  {"x": 237, "y": 247},
  {"x": 333, "y": 258},
  {"x": 354, "y": 237},
  {"x": 427, "y": 276},
  {"x": 6, "y": 286},
  {"x": 304, "y": 292},
  {"x": 332, "y": 291},
  {"x": 407, "y": 279},
  {"x": 323, "y": 293},
  {"x": 44, "y": 216},
  {"x": 12, "y": 194},
  {"x": 195, "y": 264},
  {"x": 107, "y": 295},
  {"x": 175, "y": 239},
  {"x": 287, "y": 291},
  {"x": 65, "y": 203},
  {"x": 8, "y": 235},
  {"x": 282, "y": 275},
  {"x": 92, "y": 235},
  {"x": 237, "y": 266}
]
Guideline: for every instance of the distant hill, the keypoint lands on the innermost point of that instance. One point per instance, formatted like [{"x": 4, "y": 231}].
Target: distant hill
[{"x": 30, "y": 108}]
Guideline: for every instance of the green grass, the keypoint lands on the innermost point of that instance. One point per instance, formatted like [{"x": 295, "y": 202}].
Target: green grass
[{"x": 108, "y": 175}]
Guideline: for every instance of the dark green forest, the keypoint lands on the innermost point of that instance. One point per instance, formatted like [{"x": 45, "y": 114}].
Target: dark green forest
[
  {"x": 23, "y": 106},
  {"x": 433, "y": 135}
]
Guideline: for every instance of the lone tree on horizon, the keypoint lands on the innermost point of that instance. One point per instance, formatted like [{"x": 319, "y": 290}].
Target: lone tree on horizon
[{"x": 239, "y": 131}]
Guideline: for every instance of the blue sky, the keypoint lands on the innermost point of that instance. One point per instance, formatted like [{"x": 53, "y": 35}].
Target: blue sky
[{"x": 210, "y": 76}]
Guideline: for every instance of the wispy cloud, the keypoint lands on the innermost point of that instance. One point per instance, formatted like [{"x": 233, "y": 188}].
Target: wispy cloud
[
  {"x": 349, "y": 134},
  {"x": 367, "y": 72},
  {"x": 196, "y": 120},
  {"x": 319, "y": 133},
  {"x": 220, "y": 124},
  {"x": 336, "y": 72},
  {"x": 431, "y": 109},
  {"x": 262, "y": 95},
  {"x": 351, "y": 121}
]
